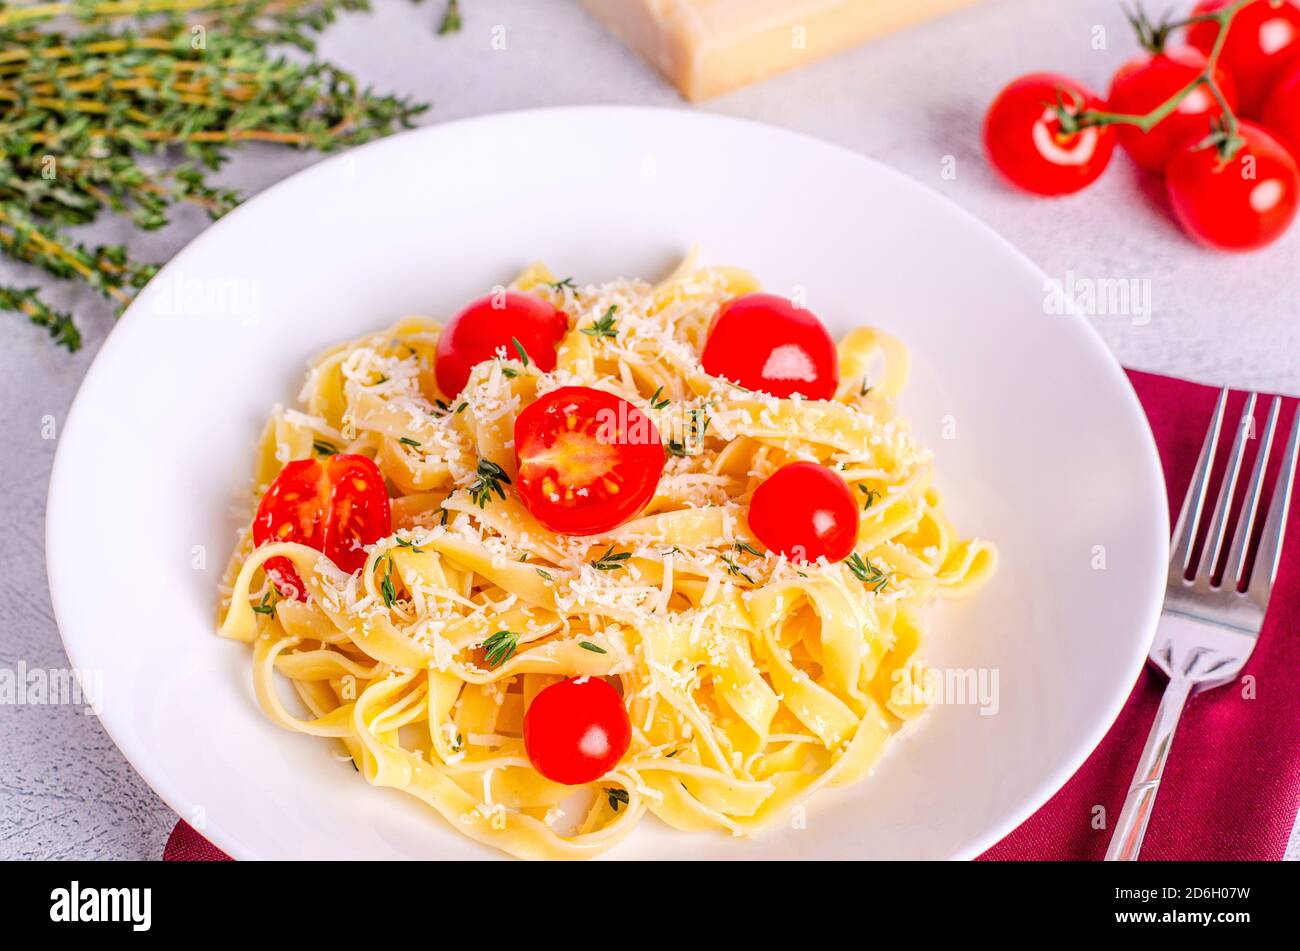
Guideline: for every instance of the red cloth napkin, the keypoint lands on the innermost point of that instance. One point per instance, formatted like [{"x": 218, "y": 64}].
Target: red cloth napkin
[{"x": 1232, "y": 785}]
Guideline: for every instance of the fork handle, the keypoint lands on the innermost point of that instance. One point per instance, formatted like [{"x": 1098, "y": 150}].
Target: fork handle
[{"x": 1141, "y": 800}]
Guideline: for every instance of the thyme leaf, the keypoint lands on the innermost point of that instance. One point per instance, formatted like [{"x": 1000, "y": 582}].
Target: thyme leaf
[{"x": 451, "y": 22}]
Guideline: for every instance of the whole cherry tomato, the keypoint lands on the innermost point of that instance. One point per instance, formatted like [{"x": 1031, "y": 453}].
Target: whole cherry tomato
[
  {"x": 1025, "y": 142},
  {"x": 1282, "y": 114},
  {"x": 1145, "y": 83},
  {"x": 588, "y": 460},
  {"x": 576, "y": 731},
  {"x": 1237, "y": 205},
  {"x": 337, "y": 505},
  {"x": 805, "y": 512},
  {"x": 492, "y": 324},
  {"x": 1263, "y": 41},
  {"x": 765, "y": 342}
]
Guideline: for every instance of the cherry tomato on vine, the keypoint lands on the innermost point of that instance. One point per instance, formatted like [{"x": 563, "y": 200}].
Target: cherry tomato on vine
[
  {"x": 1147, "y": 82},
  {"x": 1238, "y": 205},
  {"x": 494, "y": 323},
  {"x": 336, "y": 505},
  {"x": 805, "y": 511},
  {"x": 576, "y": 730},
  {"x": 765, "y": 342},
  {"x": 1263, "y": 42},
  {"x": 588, "y": 460},
  {"x": 1024, "y": 140},
  {"x": 1282, "y": 114}
]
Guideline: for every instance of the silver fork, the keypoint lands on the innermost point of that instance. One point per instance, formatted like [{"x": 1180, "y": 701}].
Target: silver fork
[{"x": 1207, "y": 631}]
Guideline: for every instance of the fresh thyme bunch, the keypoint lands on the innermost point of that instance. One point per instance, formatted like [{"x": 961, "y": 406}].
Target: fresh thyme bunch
[{"x": 127, "y": 106}]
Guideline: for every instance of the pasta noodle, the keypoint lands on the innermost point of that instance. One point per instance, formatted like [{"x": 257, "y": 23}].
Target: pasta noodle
[{"x": 751, "y": 681}]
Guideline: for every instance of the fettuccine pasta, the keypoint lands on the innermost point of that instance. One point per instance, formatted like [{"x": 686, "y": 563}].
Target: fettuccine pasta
[{"x": 750, "y": 680}]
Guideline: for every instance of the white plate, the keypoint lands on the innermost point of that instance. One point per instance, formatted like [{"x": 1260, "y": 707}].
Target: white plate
[{"x": 1052, "y": 457}]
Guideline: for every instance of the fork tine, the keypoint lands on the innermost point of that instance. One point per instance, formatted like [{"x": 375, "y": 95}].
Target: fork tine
[
  {"x": 1223, "y": 507},
  {"x": 1235, "y": 569},
  {"x": 1270, "y": 544},
  {"x": 1189, "y": 519}
]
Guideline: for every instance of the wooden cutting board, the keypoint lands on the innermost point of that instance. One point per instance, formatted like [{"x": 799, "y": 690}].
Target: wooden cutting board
[{"x": 708, "y": 47}]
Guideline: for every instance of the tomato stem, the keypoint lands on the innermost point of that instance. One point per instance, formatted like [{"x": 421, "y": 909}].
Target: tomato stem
[
  {"x": 1230, "y": 121},
  {"x": 1230, "y": 142},
  {"x": 1097, "y": 118}
]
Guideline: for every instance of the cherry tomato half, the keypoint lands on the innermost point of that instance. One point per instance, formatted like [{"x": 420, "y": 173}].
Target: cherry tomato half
[
  {"x": 1023, "y": 138},
  {"x": 336, "y": 505},
  {"x": 1263, "y": 41},
  {"x": 1282, "y": 114},
  {"x": 764, "y": 342},
  {"x": 494, "y": 323},
  {"x": 588, "y": 460},
  {"x": 1145, "y": 83},
  {"x": 805, "y": 511},
  {"x": 1239, "y": 205},
  {"x": 576, "y": 731}
]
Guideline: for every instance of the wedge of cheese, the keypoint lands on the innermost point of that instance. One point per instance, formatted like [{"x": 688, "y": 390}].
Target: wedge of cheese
[{"x": 708, "y": 47}]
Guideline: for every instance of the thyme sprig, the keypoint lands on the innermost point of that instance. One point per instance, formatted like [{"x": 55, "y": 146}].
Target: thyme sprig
[
  {"x": 862, "y": 568},
  {"x": 386, "y": 589},
  {"x": 735, "y": 569},
  {"x": 266, "y": 605},
  {"x": 604, "y": 327},
  {"x": 611, "y": 560},
  {"x": 697, "y": 426},
  {"x": 490, "y": 476},
  {"x": 500, "y": 647},
  {"x": 95, "y": 95}
]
